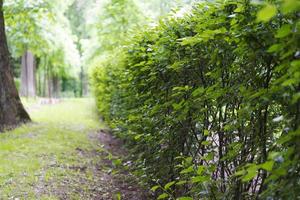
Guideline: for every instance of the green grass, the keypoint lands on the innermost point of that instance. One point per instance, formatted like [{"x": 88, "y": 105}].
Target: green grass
[
  {"x": 27, "y": 102},
  {"x": 42, "y": 151}
]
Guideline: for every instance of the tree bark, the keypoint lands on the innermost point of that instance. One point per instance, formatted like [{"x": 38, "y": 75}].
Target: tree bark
[
  {"x": 55, "y": 86},
  {"x": 12, "y": 111},
  {"x": 28, "y": 80}
]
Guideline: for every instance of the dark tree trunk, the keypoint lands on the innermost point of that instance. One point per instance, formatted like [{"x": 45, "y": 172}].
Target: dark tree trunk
[
  {"x": 12, "y": 111},
  {"x": 55, "y": 86},
  {"x": 28, "y": 80}
]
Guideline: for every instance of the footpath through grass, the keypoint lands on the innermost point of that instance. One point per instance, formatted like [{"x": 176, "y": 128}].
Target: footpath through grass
[{"x": 59, "y": 156}]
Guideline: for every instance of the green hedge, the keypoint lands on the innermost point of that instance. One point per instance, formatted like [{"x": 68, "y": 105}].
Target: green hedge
[{"x": 209, "y": 103}]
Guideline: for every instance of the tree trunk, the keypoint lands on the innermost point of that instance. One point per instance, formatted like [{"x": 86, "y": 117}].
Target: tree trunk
[
  {"x": 12, "y": 111},
  {"x": 55, "y": 86},
  {"x": 49, "y": 82},
  {"x": 45, "y": 78},
  {"x": 28, "y": 80},
  {"x": 85, "y": 91}
]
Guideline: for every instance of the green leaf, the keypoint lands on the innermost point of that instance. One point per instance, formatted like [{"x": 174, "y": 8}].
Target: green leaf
[
  {"x": 168, "y": 185},
  {"x": 240, "y": 173},
  {"x": 289, "y": 82},
  {"x": 251, "y": 173},
  {"x": 239, "y": 9},
  {"x": 249, "y": 176},
  {"x": 295, "y": 64},
  {"x": 185, "y": 198},
  {"x": 268, "y": 166},
  {"x": 188, "y": 170},
  {"x": 188, "y": 160},
  {"x": 206, "y": 133},
  {"x": 137, "y": 137},
  {"x": 205, "y": 143},
  {"x": 275, "y": 48},
  {"x": 296, "y": 98},
  {"x": 109, "y": 156},
  {"x": 209, "y": 156},
  {"x": 284, "y": 31},
  {"x": 163, "y": 196},
  {"x": 273, "y": 154},
  {"x": 200, "y": 170},
  {"x": 118, "y": 196},
  {"x": 117, "y": 162},
  {"x": 154, "y": 188},
  {"x": 190, "y": 41},
  {"x": 181, "y": 182},
  {"x": 200, "y": 179},
  {"x": 178, "y": 106},
  {"x": 266, "y": 13},
  {"x": 198, "y": 91},
  {"x": 284, "y": 138}
]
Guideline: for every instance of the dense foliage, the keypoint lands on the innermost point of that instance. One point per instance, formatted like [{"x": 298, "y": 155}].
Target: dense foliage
[{"x": 209, "y": 102}]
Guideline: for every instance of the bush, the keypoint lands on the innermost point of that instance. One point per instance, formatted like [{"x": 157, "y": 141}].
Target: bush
[{"x": 209, "y": 103}]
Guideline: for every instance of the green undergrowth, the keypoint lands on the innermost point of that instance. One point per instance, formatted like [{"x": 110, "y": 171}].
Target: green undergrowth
[{"x": 46, "y": 151}]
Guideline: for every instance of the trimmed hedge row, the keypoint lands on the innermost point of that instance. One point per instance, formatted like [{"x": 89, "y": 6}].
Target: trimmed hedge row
[{"x": 209, "y": 103}]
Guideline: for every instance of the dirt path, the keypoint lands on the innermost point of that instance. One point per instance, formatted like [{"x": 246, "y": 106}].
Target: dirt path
[
  {"x": 101, "y": 178},
  {"x": 122, "y": 182},
  {"x": 65, "y": 154}
]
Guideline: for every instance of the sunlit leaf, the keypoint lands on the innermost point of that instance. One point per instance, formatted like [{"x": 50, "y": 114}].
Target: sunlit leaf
[
  {"x": 168, "y": 185},
  {"x": 200, "y": 179},
  {"x": 267, "y": 165},
  {"x": 266, "y": 13},
  {"x": 163, "y": 196},
  {"x": 188, "y": 170},
  {"x": 275, "y": 48},
  {"x": 284, "y": 31},
  {"x": 200, "y": 170},
  {"x": 154, "y": 188},
  {"x": 181, "y": 182}
]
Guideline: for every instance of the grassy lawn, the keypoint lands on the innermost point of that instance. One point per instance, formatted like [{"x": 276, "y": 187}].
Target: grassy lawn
[{"x": 41, "y": 159}]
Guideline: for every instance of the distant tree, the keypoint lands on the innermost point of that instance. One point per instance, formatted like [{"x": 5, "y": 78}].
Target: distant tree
[
  {"x": 40, "y": 34},
  {"x": 28, "y": 80},
  {"x": 12, "y": 111},
  {"x": 117, "y": 19},
  {"x": 76, "y": 15}
]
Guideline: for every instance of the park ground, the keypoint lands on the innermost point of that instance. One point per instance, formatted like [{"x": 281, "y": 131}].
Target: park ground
[{"x": 65, "y": 153}]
